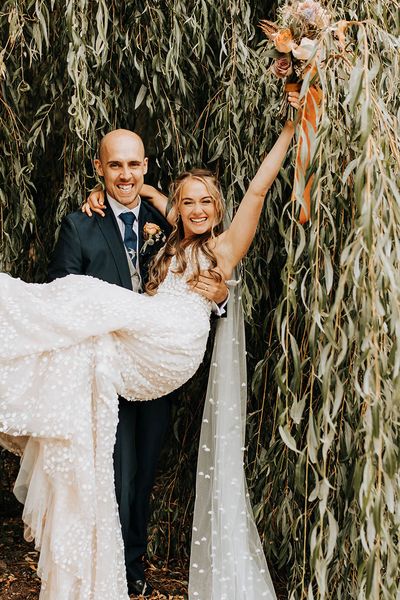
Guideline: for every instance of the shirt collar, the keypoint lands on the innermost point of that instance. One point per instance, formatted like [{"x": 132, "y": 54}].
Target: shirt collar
[{"x": 120, "y": 208}]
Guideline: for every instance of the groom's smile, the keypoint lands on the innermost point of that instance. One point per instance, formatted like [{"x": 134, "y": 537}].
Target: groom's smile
[
  {"x": 123, "y": 165},
  {"x": 125, "y": 188}
]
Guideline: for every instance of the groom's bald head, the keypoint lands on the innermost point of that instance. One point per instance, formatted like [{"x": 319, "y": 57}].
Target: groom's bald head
[
  {"x": 123, "y": 164},
  {"x": 120, "y": 136}
]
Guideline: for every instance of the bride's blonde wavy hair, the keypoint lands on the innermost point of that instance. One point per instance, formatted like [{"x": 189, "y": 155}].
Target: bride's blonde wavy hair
[{"x": 177, "y": 243}]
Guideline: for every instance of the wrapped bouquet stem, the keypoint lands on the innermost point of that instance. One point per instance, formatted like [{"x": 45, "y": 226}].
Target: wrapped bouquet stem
[{"x": 308, "y": 124}]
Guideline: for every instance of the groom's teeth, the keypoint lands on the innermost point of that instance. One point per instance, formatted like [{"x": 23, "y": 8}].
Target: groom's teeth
[{"x": 125, "y": 188}]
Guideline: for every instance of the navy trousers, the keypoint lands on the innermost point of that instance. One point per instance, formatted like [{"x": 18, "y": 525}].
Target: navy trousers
[{"x": 140, "y": 434}]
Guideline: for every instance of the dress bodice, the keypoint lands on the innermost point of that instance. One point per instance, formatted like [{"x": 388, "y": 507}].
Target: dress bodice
[{"x": 176, "y": 284}]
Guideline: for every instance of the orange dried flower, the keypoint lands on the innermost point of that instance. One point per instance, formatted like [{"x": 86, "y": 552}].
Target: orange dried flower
[{"x": 283, "y": 40}]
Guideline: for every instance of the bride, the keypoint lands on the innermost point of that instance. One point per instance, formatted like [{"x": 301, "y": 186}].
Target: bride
[{"x": 63, "y": 367}]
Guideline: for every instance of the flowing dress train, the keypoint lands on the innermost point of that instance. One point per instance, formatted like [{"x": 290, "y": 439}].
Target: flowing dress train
[{"x": 69, "y": 348}]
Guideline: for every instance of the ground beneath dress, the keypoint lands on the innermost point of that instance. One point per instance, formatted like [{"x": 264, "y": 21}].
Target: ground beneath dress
[{"x": 18, "y": 560}]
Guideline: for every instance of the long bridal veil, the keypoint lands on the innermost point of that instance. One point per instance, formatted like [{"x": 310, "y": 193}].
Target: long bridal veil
[{"x": 227, "y": 559}]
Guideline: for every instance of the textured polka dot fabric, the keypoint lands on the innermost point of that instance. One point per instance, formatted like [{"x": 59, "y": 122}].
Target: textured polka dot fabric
[{"x": 68, "y": 349}]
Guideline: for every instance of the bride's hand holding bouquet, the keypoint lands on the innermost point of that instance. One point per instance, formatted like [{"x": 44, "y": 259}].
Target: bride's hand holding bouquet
[{"x": 295, "y": 38}]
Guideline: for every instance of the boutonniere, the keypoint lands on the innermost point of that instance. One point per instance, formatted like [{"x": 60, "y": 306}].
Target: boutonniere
[{"x": 152, "y": 234}]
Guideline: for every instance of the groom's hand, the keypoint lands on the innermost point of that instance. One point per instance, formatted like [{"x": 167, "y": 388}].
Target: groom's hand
[{"x": 207, "y": 286}]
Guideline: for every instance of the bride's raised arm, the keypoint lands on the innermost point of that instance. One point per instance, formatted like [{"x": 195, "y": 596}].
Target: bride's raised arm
[{"x": 233, "y": 243}]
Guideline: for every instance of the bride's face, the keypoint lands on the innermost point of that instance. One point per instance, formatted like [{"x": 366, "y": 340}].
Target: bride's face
[{"x": 196, "y": 207}]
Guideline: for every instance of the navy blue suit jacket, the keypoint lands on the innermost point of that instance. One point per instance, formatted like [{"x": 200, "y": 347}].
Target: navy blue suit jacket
[{"x": 94, "y": 246}]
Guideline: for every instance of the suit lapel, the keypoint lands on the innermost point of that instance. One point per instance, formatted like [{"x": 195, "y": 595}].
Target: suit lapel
[
  {"x": 110, "y": 230},
  {"x": 145, "y": 215}
]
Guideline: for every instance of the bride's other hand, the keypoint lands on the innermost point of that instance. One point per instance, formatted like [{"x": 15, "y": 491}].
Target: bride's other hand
[
  {"x": 210, "y": 288},
  {"x": 95, "y": 202}
]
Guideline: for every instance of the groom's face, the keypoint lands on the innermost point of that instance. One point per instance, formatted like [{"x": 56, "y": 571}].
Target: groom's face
[{"x": 123, "y": 165}]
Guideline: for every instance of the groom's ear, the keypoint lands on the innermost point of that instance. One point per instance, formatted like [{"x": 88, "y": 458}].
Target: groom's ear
[
  {"x": 145, "y": 165},
  {"x": 98, "y": 167}
]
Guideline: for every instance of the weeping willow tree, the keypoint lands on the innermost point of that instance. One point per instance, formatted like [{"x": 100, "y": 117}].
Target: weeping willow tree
[
  {"x": 336, "y": 323},
  {"x": 321, "y": 299}
]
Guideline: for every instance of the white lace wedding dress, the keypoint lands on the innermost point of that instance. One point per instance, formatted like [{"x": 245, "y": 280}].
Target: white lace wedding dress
[{"x": 69, "y": 348}]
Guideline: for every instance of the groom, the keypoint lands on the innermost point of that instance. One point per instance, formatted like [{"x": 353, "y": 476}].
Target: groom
[{"x": 116, "y": 249}]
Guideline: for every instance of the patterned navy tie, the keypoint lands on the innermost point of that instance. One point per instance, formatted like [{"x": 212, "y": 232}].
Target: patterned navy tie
[{"x": 130, "y": 237}]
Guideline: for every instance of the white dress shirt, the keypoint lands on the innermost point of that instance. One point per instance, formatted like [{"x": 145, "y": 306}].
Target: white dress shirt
[{"x": 118, "y": 209}]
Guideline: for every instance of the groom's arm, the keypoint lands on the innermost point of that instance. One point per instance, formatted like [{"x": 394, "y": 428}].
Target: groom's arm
[{"x": 67, "y": 255}]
